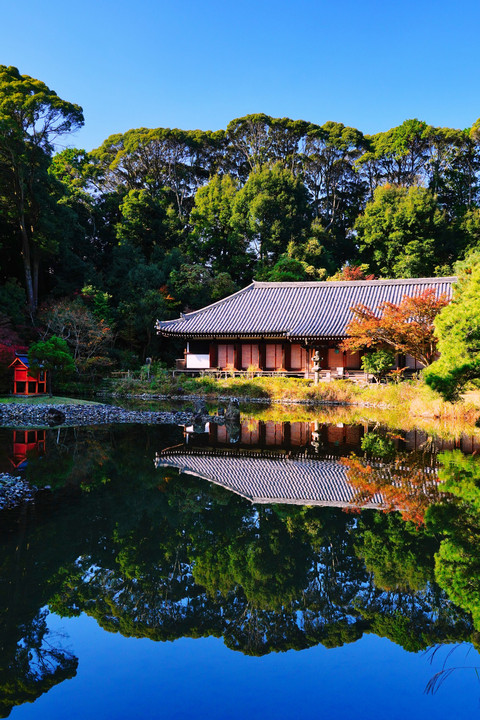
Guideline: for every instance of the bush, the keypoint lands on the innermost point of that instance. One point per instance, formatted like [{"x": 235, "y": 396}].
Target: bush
[{"x": 378, "y": 363}]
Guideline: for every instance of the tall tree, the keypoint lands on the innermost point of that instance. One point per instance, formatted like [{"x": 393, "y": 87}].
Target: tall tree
[
  {"x": 31, "y": 117},
  {"x": 403, "y": 233},
  {"x": 270, "y": 211},
  {"x": 215, "y": 240},
  {"x": 458, "y": 330}
]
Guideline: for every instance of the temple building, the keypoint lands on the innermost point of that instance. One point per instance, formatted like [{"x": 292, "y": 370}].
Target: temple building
[
  {"x": 278, "y": 326},
  {"x": 25, "y": 381}
]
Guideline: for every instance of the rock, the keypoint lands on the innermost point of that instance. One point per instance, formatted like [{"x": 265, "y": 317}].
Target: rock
[
  {"x": 232, "y": 413},
  {"x": 54, "y": 417},
  {"x": 200, "y": 407}
]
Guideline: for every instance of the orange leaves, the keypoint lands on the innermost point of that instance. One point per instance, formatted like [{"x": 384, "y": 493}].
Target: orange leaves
[
  {"x": 406, "y": 327},
  {"x": 402, "y": 485}
]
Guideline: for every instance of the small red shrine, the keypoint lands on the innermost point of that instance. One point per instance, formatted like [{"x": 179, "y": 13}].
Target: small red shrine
[
  {"x": 25, "y": 383},
  {"x": 27, "y": 443}
]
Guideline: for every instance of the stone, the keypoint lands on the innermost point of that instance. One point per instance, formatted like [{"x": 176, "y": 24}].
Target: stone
[{"x": 54, "y": 417}]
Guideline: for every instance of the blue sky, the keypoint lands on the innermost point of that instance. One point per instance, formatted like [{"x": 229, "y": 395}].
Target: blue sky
[{"x": 198, "y": 64}]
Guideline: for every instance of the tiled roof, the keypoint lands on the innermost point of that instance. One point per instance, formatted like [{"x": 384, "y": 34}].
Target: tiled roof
[
  {"x": 23, "y": 358},
  {"x": 295, "y": 310},
  {"x": 301, "y": 481}
]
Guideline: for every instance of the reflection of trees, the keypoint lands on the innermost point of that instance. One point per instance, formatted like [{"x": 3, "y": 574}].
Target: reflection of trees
[
  {"x": 405, "y": 483},
  {"x": 154, "y": 554},
  {"x": 398, "y": 553},
  {"x": 32, "y": 665},
  {"x": 457, "y": 563}
]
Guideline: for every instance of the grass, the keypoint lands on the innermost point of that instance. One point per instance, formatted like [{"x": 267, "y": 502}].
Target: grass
[
  {"x": 411, "y": 398},
  {"x": 44, "y": 400}
]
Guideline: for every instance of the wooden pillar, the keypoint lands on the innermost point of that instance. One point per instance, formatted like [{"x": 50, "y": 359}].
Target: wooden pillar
[
  {"x": 261, "y": 433},
  {"x": 307, "y": 362},
  {"x": 287, "y": 433},
  {"x": 237, "y": 356},
  {"x": 213, "y": 354},
  {"x": 262, "y": 351},
  {"x": 286, "y": 355},
  {"x": 212, "y": 433}
]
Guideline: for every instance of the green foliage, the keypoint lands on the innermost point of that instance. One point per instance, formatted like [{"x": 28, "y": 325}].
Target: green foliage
[
  {"x": 31, "y": 117},
  {"x": 12, "y": 301},
  {"x": 402, "y": 232},
  {"x": 52, "y": 355},
  {"x": 270, "y": 211},
  {"x": 378, "y": 363},
  {"x": 457, "y": 563},
  {"x": 398, "y": 553},
  {"x": 286, "y": 269},
  {"x": 215, "y": 239},
  {"x": 458, "y": 331},
  {"x": 378, "y": 446}
]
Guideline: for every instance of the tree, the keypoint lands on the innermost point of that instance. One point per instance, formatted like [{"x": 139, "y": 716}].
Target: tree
[
  {"x": 86, "y": 335},
  {"x": 378, "y": 363},
  {"x": 337, "y": 191},
  {"x": 407, "y": 327},
  {"x": 53, "y": 356},
  {"x": 147, "y": 222},
  {"x": 457, "y": 563},
  {"x": 270, "y": 211},
  {"x": 286, "y": 269},
  {"x": 402, "y": 233},
  {"x": 458, "y": 331},
  {"x": 31, "y": 117},
  {"x": 215, "y": 240}
]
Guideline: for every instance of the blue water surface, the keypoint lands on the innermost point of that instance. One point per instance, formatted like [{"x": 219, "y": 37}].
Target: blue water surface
[{"x": 126, "y": 678}]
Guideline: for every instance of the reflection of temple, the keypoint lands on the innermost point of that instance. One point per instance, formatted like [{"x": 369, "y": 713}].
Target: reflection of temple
[
  {"x": 286, "y": 436},
  {"x": 26, "y": 443},
  {"x": 335, "y": 439},
  {"x": 298, "y": 479},
  {"x": 300, "y": 463}
]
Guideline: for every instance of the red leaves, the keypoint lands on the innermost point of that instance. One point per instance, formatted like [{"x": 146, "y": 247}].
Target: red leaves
[
  {"x": 401, "y": 485},
  {"x": 406, "y": 327}
]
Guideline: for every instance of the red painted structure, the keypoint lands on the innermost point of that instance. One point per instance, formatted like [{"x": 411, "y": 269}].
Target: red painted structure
[
  {"x": 25, "y": 382},
  {"x": 27, "y": 443}
]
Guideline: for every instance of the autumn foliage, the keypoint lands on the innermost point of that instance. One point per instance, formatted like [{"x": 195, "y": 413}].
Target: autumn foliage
[
  {"x": 402, "y": 485},
  {"x": 352, "y": 273},
  {"x": 407, "y": 327}
]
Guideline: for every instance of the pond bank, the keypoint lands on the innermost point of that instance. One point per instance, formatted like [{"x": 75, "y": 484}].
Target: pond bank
[
  {"x": 14, "y": 491},
  {"x": 15, "y": 415},
  {"x": 411, "y": 397}
]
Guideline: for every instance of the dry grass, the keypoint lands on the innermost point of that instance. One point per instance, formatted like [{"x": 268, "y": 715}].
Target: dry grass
[{"x": 409, "y": 399}]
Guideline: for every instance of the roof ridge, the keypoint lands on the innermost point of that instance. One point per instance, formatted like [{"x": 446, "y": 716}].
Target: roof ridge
[
  {"x": 184, "y": 316},
  {"x": 354, "y": 283}
]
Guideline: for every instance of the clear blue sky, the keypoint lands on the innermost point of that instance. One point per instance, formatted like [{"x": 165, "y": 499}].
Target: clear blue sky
[{"x": 200, "y": 63}]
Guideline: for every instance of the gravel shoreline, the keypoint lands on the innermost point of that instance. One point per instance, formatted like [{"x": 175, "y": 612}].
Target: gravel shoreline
[
  {"x": 14, "y": 491},
  {"x": 16, "y": 415}
]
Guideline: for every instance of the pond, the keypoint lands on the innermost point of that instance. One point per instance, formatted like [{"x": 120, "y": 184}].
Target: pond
[{"x": 270, "y": 569}]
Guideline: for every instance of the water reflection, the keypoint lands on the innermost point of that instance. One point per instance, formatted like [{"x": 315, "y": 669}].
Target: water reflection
[{"x": 150, "y": 552}]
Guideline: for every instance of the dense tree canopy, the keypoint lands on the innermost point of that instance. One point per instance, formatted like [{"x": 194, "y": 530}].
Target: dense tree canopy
[
  {"x": 458, "y": 330},
  {"x": 31, "y": 118},
  {"x": 163, "y": 219}
]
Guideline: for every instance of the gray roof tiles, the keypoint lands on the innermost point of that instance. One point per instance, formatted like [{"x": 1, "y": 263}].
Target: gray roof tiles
[
  {"x": 303, "y": 481},
  {"x": 296, "y": 310}
]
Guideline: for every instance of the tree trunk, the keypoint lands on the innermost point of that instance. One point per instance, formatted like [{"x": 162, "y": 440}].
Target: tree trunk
[{"x": 27, "y": 264}]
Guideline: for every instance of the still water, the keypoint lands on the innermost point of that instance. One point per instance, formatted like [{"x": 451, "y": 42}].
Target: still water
[{"x": 269, "y": 570}]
